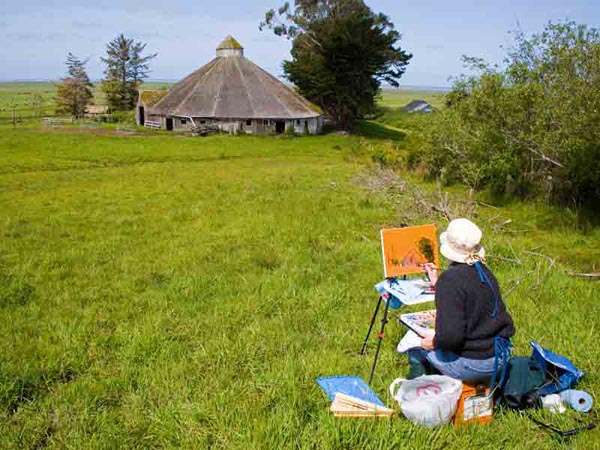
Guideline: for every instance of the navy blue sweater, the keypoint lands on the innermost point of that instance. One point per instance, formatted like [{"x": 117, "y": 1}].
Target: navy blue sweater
[{"x": 464, "y": 324}]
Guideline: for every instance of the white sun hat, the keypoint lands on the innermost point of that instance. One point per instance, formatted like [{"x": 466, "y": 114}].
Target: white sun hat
[{"x": 461, "y": 242}]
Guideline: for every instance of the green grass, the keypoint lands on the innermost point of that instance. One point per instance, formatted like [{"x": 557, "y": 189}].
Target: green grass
[
  {"x": 162, "y": 291},
  {"x": 397, "y": 98},
  {"x": 20, "y": 95},
  {"x": 166, "y": 291}
]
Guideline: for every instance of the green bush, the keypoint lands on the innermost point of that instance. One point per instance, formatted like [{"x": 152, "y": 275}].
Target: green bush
[
  {"x": 388, "y": 155},
  {"x": 529, "y": 129},
  {"x": 124, "y": 117}
]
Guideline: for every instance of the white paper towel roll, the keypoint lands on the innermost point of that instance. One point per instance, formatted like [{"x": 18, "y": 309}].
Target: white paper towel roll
[{"x": 578, "y": 400}]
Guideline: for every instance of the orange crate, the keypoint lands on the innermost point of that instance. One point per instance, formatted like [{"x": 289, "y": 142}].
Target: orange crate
[{"x": 474, "y": 405}]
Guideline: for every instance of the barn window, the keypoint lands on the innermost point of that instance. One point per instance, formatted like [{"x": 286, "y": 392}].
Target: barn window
[
  {"x": 202, "y": 122},
  {"x": 248, "y": 123},
  {"x": 183, "y": 121},
  {"x": 298, "y": 122},
  {"x": 265, "y": 122}
]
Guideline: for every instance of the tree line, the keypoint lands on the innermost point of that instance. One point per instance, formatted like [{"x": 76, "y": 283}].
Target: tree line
[{"x": 126, "y": 69}]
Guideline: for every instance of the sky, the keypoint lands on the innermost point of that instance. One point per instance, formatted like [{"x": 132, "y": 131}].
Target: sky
[{"x": 36, "y": 35}]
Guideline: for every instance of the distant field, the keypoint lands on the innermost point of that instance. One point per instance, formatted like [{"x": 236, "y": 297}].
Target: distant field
[
  {"x": 23, "y": 95},
  {"x": 396, "y": 98}
]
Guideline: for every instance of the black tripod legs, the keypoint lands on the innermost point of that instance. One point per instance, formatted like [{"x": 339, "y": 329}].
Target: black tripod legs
[
  {"x": 379, "y": 336},
  {"x": 364, "y": 346}
]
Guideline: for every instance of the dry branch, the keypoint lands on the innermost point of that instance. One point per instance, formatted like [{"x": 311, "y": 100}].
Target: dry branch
[
  {"x": 486, "y": 205},
  {"x": 533, "y": 147},
  {"x": 516, "y": 284},
  {"x": 411, "y": 202},
  {"x": 502, "y": 258},
  {"x": 551, "y": 261},
  {"x": 586, "y": 275}
]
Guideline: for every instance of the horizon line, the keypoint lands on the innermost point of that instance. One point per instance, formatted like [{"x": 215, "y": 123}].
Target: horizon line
[{"x": 422, "y": 87}]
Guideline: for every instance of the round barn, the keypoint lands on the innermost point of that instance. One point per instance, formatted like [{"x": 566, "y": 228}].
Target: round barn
[{"x": 233, "y": 95}]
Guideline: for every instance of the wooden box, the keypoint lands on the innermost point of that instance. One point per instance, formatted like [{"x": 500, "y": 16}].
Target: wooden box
[{"x": 474, "y": 405}]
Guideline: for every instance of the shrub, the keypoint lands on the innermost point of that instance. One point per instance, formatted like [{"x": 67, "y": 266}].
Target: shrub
[
  {"x": 530, "y": 128},
  {"x": 124, "y": 117},
  {"x": 388, "y": 155}
]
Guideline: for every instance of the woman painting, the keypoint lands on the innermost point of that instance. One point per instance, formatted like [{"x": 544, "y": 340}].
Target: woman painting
[{"x": 470, "y": 313}]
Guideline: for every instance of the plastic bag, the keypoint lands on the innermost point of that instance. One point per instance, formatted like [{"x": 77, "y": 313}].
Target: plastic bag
[{"x": 430, "y": 400}]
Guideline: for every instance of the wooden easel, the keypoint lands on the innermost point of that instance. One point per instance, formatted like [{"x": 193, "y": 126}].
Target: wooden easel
[{"x": 404, "y": 250}]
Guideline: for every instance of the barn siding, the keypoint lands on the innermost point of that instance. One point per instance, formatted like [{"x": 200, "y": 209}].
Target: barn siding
[{"x": 312, "y": 125}]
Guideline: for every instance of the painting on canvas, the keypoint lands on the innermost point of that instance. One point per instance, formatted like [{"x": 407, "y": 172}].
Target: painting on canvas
[{"x": 405, "y": 250}]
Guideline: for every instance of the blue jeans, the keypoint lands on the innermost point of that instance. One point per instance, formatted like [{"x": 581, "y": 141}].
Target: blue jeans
[{"x": 455, "y": 366}]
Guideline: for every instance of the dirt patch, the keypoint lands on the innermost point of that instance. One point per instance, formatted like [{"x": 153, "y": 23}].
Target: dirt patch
[{"x": 99, "y": 131}]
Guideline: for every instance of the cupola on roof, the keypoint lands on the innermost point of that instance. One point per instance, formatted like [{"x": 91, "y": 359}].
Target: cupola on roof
[{"x": 229, "y": 47}]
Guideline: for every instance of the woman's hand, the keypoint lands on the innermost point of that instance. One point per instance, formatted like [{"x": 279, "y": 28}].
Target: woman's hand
[
  {"x": 427, "y": 342},
  {"x": 431, "y": 272}
]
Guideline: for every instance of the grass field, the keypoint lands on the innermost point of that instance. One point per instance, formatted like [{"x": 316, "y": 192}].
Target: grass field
[
  {"x": 31, "y": 99},
  {"x": 397, "y": 98},
  {"x": 163, "y": 291},
  {"x": 21, "y": 97}
]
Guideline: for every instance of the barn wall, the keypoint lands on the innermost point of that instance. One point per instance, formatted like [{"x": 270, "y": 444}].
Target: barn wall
[
  {"x": 312, "y": 125},
  {"x": 248, "y": 126},
  {"x": 263, "y": 126},
  {"x": 203, "y": 121},
  {"x": 320, "y": 124},
  {"x": 155, "y": 118},
  {"x": 231, "y": 126},
  {"x": 181, "y": 124}
]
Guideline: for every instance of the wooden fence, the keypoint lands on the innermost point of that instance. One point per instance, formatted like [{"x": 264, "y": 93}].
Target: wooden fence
[
  {"x": 52, "y": 121},
  {"x": 151, "y": 124}
]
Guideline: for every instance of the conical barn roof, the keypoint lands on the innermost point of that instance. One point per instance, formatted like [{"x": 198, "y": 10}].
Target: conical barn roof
[{"x": 233, "y": 87}]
